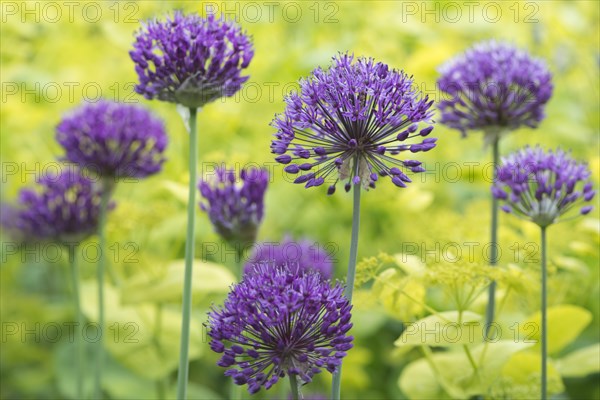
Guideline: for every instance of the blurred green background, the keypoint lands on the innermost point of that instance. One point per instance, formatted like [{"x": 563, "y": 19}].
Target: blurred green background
[{"x": 54, "y": 55}]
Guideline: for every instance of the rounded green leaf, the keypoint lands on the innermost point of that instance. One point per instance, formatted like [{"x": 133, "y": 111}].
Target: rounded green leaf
[
  {"x": 580, "y": 363},
  {"x": 565, "y": 323},
  {"x": 207, "y": 278}
]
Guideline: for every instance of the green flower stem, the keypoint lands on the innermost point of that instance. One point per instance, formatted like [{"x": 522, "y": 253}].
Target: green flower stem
[
  {"x": 337, "y": 377},
  {"x": 471, "y": 360},
  {"x": 161, "y": 383},
  {"x": 235, "y": 391},
  {"x": 294, "y": 386},
  {"x": 240, "y": 262},
  {"x": 544, "y": 319},
  {"x": 489, "y": 314},
  {"x": 79, "y": 314},
  {"x": 500, "y": 308},
  {"x": 186, "y": 311},
  {"x": 108, "y": 185}
]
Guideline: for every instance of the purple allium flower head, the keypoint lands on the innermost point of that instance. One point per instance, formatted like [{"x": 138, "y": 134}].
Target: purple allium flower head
[
  {"x": 190, "y": 60},
  {"x": 304, "y": 254},
  {"x": 493, "y": 87},
  {"x": 277, "y": 322},
  {"x": 63, "y": 207},
  {"x": 235, "y": 204},
  {"x": 542, "y": 185},
  {"x": 113, "y": 139},
  {"x": 351, "y": 120}
]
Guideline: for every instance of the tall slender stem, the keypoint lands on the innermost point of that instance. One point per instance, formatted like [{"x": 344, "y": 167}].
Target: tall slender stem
[
  {"x": 489, "y": 315},
  {"x": 106, "y": 192},
  {"x": 294, "y": 387},
  {"x": 544, "y": 319},
  {"x": 471, "y": 361},
  {"x": 235, "y": 390},
  {"x": 186, "y": 309},
  {"x": 161, "y": 382},
  {"x": 337, "y": 377},
  {"x": 79, "y": 315}
]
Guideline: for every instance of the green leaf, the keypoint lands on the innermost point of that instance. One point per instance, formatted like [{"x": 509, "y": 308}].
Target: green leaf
[
  {"x": 580, "y": 363},
  {"x": 565, "y": 323},
  {"x": 208, "y": 278},
  {"x": 571, "y": 264},
  {"x": 117, "y": 381},
  {"x": 442, "y": 329},
  {"x": 520, "y": 378},
  {"x": 418, "y": 381},
  {"x": 130, "y": 332},
  {"x": 366, "y": 322},
  {"x": 452, "y": 371}
]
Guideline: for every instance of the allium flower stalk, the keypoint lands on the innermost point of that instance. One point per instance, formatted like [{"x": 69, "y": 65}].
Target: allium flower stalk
[
  {"x": 276, "y": 323},
  {"x": 493, "y": 87},
  {"x": 350, "y": 122},
  {"x": 235, "y": 203},
  {"x": 542, "y": 186},
  {"x": 115, "y": 141},
  {"x": 63, "y": 208},
  {"x": 304, "y": 255},
  {"x": 191, "y": 61}
]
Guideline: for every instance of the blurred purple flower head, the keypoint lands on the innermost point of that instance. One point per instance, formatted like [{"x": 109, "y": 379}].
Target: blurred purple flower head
[
  {"x": 235, "y": 204},
  {"x": 277, "y": 322},
  {"x": 63, "y": 207},
  {"x": 114, "y": 140},
  {"x": 305, "y": 255},
  {"x": 543, "y": 185},
  {"x": 493, "y": 86},
  {"x": 351, "y": 120},
  {"x": 190, "y": 60}
]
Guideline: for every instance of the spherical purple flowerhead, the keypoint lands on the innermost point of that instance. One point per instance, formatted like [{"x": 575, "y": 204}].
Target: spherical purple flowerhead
[
  {"x": 351, "y": 120},
  {"x": 114, "y": 140},
  {"x": 494, "y": 87},
  {"x": 277, "y": 322},
  {"x": 235, "y": 204},
  {"x": 304, "y": 254},
  {"x": 64, "y": 207},
  {"x": 542, "y": 186},
  {"x": 190, "y": 60}
]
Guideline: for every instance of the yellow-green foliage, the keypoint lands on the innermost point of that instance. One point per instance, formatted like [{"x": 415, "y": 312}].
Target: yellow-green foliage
[{"x": 437, "y": 228}]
